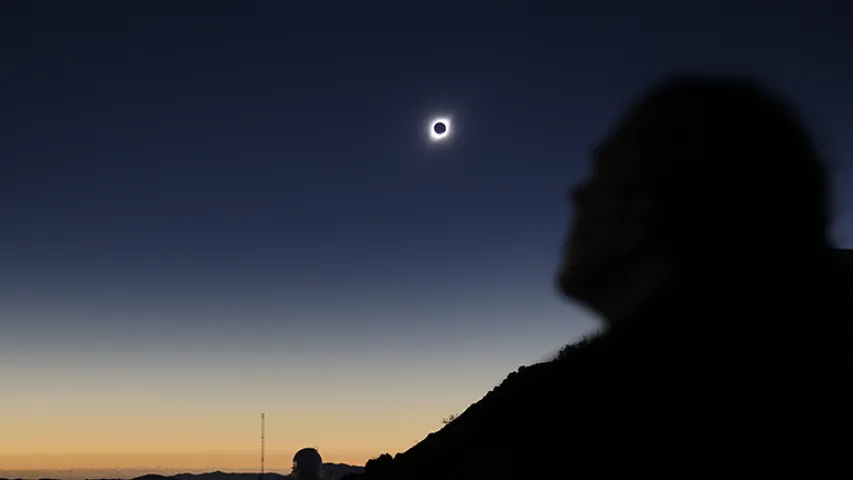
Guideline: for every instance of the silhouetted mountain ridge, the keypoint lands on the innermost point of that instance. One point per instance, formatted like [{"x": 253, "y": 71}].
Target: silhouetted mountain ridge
[
  {"x": 333, "y": 471},
  {"x": 460, "y": 439}
]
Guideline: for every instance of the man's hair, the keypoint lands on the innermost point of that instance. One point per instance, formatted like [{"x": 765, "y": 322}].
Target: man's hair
[{"x": 731, "y": 165}]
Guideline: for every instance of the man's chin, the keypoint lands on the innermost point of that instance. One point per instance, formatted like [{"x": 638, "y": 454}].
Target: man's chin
[
  {"x": 580, "y": 281},
  {"x": 568, "y": 281}
]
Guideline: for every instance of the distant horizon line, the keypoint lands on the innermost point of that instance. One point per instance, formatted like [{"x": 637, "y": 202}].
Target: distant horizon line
[
  {"x": 76, "y": 469},
  {"x": 209, "y": 468}
]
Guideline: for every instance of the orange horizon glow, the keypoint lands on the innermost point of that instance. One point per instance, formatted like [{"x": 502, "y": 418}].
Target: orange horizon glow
[
  {"x": 199, "y": 410},
  {"x": 246, "y": 461},
  {"x": 206, "y": 440}
]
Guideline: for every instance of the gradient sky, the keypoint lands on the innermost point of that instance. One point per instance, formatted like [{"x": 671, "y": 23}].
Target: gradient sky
[{"x": 211, "y": 211}]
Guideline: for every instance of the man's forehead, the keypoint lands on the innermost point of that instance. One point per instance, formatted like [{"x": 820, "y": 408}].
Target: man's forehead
[
  {"x": 604, "y": 145},
  {"x": 638, "y": 145},
  {"x": 614, "y": 149}
]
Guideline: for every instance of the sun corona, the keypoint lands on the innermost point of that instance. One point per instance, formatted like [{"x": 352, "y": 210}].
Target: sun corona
[{"x": 439, "y": 129}]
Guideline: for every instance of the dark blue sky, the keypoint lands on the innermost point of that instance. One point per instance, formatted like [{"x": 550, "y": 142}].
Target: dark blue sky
[{"x": 200, "y": 179}]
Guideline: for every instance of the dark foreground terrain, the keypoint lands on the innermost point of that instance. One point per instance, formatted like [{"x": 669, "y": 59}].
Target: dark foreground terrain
[{"x": 562, "y": 412}]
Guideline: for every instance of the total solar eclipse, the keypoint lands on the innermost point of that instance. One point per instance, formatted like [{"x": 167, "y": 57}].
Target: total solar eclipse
[{"x": 440, "y": 129}]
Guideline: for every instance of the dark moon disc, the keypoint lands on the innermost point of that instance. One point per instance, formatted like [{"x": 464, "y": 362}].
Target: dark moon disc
[{"x": 439, "y": 128}]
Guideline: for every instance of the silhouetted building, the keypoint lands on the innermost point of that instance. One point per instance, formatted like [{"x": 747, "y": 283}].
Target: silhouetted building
[{"x": 307, "y": 465}]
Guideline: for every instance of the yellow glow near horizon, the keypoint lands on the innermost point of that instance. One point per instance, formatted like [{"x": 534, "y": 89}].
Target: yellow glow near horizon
[
  {"x": 204, "y": 441},
  {"x": 201, "y": 410},
  {"x": 275, "y": 461}
]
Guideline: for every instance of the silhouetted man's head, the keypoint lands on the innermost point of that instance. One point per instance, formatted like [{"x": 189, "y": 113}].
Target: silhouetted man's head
[{"x": 702, "y": 177}]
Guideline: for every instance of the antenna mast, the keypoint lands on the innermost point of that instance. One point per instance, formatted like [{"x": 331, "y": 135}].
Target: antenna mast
[{"x": 263, "y": 425}]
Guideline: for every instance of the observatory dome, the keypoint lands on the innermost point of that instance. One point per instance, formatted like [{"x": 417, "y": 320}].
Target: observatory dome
[{"x": 307, "y": 465}]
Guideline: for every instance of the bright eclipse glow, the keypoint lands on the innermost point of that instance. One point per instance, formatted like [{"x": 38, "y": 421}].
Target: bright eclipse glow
[{"x": 435, "y": 136}]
